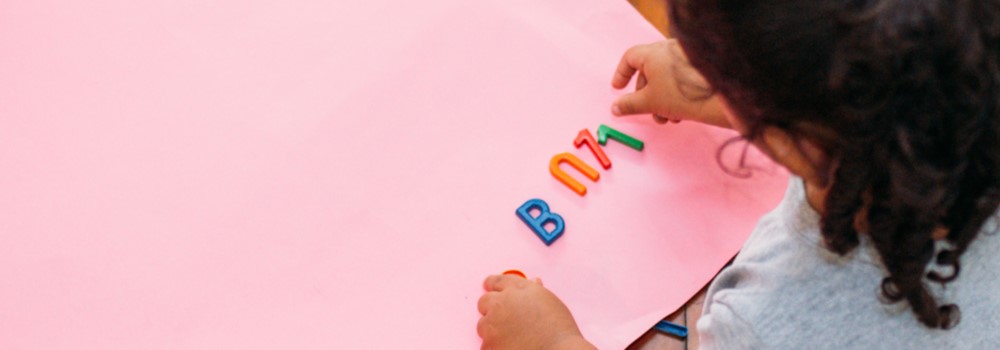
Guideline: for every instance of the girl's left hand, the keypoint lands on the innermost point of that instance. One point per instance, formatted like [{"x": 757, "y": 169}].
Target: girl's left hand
[{"x": 522, "y": 314}]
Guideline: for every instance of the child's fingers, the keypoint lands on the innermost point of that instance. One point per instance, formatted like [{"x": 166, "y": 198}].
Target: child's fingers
[
  {"x": 627, "y": 67},
  {"x": 634, "y": 103},
  {"x": 622, "y": 75},
  {"x": 482, "y": 326},
  {"x": 497, "y": 283},
  {"x": 486, "y": 302},
  {"x": 640, "y": 81}
]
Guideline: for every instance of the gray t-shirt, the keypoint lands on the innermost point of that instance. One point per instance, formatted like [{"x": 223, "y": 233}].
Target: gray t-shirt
[{"x": 785, "y": 291}]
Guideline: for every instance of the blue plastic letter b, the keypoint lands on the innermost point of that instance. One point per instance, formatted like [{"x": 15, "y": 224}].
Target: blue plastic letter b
[{"x": 545, "y": 216}]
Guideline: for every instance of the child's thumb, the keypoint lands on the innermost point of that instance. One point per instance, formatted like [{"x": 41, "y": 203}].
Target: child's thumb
[{"x": 634, "y": 103}]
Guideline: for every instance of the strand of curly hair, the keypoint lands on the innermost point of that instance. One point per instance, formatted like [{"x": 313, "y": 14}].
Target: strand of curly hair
[{"x": 903, "y": 95}]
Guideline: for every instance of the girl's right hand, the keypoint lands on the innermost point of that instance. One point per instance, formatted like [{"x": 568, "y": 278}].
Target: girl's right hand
[
  {"x": 666, "y": 86},
  {"x": 522, "y": 314}
]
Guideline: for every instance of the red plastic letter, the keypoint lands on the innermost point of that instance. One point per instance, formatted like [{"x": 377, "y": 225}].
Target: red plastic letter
[{"x": 586, "y": 138}]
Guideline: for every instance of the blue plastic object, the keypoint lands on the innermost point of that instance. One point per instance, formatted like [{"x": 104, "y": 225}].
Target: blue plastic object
[
  {"x": 672, "y": 328},
  {"x": 537, "y": 224}
]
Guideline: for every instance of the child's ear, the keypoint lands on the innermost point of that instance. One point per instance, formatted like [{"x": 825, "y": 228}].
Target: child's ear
[
  {"x": 800, "y": 155},
  {"x": 820, "y": 160}
]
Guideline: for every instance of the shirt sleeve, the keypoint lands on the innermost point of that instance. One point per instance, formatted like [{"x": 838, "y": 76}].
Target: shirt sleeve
[{"x": 722, "y": 328}]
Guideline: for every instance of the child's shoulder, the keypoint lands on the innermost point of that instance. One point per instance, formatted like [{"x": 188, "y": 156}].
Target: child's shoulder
[
  {"x": 785, "y": 290},
  {"x": 788, "y": 233}
]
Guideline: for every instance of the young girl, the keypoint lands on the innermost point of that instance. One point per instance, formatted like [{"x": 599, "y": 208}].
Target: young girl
[{"x": 886, "y": 112}]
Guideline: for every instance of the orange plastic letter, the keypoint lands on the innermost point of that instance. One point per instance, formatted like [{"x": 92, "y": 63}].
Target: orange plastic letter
[
  {"x": 574, "y": 185},
  {"x": 585, "y": 138}
]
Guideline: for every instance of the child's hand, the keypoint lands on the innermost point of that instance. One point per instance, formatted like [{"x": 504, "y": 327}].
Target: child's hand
[
  {"x": 522, "y": 314},
  {"x": 667, "y": 86}
]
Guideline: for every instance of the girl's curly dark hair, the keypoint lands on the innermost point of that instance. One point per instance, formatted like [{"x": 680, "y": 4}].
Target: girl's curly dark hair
[{"x": 901, "y": 95}]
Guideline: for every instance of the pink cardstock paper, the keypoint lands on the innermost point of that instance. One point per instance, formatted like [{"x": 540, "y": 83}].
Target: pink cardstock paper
[{"x": 302, "y": 174}]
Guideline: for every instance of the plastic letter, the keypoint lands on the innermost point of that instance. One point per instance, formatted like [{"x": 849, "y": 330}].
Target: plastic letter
[
  {"x": 585, "y": 138},
  {"x": 587, "y": 171},
  {"x": 603, "y": 132},
  {"x": 537, "y": 224}
]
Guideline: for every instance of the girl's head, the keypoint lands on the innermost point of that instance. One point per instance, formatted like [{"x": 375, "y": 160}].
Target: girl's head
[{"x": 892, "y": 103}]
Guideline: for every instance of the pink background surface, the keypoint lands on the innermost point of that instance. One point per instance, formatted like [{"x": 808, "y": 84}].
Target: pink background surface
[{"x": 303, "y": 174}]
